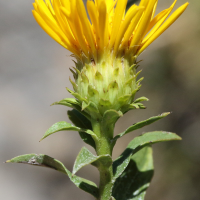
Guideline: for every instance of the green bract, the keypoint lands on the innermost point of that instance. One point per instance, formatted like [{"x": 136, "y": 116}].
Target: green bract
[{"x": 109, "y": 84}]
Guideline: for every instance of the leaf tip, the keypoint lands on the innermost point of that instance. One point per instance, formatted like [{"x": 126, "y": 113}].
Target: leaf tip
[
  {"x": 165, "y": 114},
  {"x": 176, "y": 137},
  {"x": 53, "y": 104}
]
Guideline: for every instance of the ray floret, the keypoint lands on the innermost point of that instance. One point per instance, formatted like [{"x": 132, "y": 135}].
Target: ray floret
[{"x": 109, "y": 28}]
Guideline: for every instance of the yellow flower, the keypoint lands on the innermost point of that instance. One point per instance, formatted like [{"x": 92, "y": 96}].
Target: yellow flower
[
  {"x": 105, "y": 45},
  {"x": 109, "y": 28}
]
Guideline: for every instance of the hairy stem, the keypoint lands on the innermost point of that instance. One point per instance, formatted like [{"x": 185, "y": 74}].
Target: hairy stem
[{"x": 104, "y": 147}]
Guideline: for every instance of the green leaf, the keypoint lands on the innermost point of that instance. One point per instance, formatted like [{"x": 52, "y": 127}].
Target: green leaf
[
  {"x": 85, "y": 157},
  {"x": 141, "y": 124},
  {"x": 64, "y": 126},
  {"x": 103, "y": 160},
  {"x": 111, "y": 116},
  {"x": 134, "y": 181},
  {"x": 46, "y": 161},
  {"x": 141, "y": 99},
  {"x": 68, "y": 102},
  {"x": 72, "y": 103},
  {"x": 135, "y": 105},
  {"x": 141, "y": 106},
  {"x": 108, "y": 121},
  {"x": 136, "y": 144},
  {"x": 81, "y": 121},
  {"x": 132, "y": 106}
]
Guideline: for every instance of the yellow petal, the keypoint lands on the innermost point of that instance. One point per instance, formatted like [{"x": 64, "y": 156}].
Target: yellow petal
[
  {"x": 66, "y": 4},
  {"x": 154, "y": 10},
  {"x": 44, "y": 9},
  {"x": 86, "y": 26},
  {"x": 66, "y": 13},
  {"x": 124, "y": 26},
  {"x": 48, "y": 30},
  {"x": 157, "y": 21},
  {"x": 77, "y": 28},
  {"x": 119, "y": 11},
  {"x": 35, "y": 7},
  {"x": 132, "y": 26},
  {"x": 166, "y": 25},
  {"x": 47, "y": 20},
  {"x": 70, "y": 22},
  {"x": 49, "y": 5},
  {"x": 140, "y": 31},
  {"x": 111, "y": 6},
  {"x": 63, "y": 24},
  {"x": 103, "y": 25},
  {"x": 144, "y": 2},
  {"x": 94, "y": 19},
  {"x": 109, "y": 3}
]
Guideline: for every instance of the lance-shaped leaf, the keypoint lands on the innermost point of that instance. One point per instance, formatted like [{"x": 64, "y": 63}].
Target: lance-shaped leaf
[
  {"x": 68, "y": 102},
  {"x": 136, "y": 144},
  {"x": 108, "y": 121},
  {"x": 111, "y": 116},
  {"x": 85, "y": 157},
  {"x": 132, "y": 106},
  {"x": 46, "y": 161},
  {"x": 81, "y": 121},
  {"x": 141, "y": 124},
  {"x": 136, "y": 106},
  {"x": 64, "y": 126},
  {"x": 72, "y": 103},
  {"x": 134, "y": 181},
  {"x": 140, "y": 99}
]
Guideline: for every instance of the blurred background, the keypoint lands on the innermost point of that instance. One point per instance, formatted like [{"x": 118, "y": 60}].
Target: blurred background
[{"x": 34, "y": 72}]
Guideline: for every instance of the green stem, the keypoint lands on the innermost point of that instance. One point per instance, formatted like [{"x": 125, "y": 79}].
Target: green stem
[
  {"x": 104, "y": 147},
  {"x": 105, "y": 185}
]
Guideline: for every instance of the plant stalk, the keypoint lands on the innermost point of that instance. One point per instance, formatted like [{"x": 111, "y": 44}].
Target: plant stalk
[{"x": 104, "y": 147}]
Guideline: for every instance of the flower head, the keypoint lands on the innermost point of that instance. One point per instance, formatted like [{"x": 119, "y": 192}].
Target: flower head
[{"x": 105, "y": 44}]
